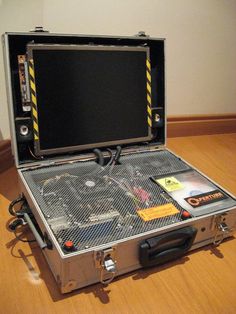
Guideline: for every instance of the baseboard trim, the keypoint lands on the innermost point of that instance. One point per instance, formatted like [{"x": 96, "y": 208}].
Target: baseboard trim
[
  {"x": 6, "y": 159},
  {"x": 192, "y": 125}
]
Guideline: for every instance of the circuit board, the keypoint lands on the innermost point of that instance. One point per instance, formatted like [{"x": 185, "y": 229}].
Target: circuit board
[
  {"x": 87, "y": 205},
  {"x": 90, "y": 205}
]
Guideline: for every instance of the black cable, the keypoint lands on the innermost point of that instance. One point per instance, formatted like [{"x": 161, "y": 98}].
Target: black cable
[
  {"x": 13, "y": 203},
  {"x": 16, "y": 224},
  {"x": 117, "y": 155},
  {"x": 33, "y": 155},
  {"x": 110, "y": 152},
  {"x": 22, "y": 240},
  {"x": 99, "y": 155},
  {"x": 111, "y": 156},
  {"x": 20, "y": 214},
  {"x": 115, "y": 158}
]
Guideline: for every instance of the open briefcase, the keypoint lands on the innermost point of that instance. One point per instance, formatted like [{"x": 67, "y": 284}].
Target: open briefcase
[{"x": 100, "y": 192}]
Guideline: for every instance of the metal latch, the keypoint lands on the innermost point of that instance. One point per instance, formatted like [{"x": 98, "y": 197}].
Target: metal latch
[
  {"x": 141, "y": 34},
  {"x": 38, "y": 29},
  {"x": 105, "y": 261},
  {"x": 221, "y": 228}
]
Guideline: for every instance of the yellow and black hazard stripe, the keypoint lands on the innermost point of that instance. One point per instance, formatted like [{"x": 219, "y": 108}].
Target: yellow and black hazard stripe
[
  {"x": 149, "y": 93},
  {"x": 33, "y": 99}
]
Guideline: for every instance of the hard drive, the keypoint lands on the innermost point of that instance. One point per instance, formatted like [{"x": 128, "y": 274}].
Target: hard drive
[{"x": 88, "y": 127}]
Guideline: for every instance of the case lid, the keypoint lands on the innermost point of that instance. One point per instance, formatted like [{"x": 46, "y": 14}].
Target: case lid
[{"x": 69, "y": 94}]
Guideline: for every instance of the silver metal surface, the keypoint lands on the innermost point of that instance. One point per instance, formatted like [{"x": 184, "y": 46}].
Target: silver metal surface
[
  {"x": 80, "y": 35},
  {"x": 221, "y": 228},
  {"x": 93, "y": 206},
  {"x": 31, "y": 47},
  {"x": 109, "y": 265},
  {"x": 82, "y": 268},
  {"x": 9, "y": 98},
  {"x": 105, "y": 262},
  {"x": 24, "y": 130},
  {"x": 105, "y": 211},
  {"x": 126, "y": 252}
]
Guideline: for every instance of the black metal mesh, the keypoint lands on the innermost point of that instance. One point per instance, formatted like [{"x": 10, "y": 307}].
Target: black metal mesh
[{"x": 93, "y": 205}]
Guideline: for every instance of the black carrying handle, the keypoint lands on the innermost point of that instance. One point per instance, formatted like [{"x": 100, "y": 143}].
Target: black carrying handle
[{"x": 166, "y": 247}]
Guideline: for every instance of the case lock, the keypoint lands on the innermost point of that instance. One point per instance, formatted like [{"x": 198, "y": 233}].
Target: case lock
[
  {"x": 105, "y": 261},
  {"x": 221, "y": 228}
]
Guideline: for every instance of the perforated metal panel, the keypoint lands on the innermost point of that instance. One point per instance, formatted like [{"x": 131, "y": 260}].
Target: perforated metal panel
[{"x": 93, "y": 205}]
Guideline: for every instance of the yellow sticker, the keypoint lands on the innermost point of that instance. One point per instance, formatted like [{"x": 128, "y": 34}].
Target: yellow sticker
[
  {"x": 170, "y": 184},
  {"x": 157, "y": 212}
]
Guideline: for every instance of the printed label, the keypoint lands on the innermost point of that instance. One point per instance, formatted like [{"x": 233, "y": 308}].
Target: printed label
[
  {"x": 170, "y": 184},
  {"x": 161, "y": 211},
  {"x": 205, "y": 198}
]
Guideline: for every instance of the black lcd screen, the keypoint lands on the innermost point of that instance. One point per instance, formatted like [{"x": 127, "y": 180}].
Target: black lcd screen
[{"x": 90, "y": 97}]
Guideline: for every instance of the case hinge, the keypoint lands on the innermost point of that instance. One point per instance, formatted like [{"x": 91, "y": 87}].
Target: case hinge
[
  {"x": 142, "y": 34},
  {"x": 38, "y": 29}
]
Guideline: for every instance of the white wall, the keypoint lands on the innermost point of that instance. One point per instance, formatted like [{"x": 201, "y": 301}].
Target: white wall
[
  {"x": 200, "y": 45},
  {"x": 15, "y": 16}
]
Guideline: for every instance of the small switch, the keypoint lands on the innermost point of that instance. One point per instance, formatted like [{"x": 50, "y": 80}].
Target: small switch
[
  {"x": 185, "y": 215},
  {"x": 69, "y": 246}
]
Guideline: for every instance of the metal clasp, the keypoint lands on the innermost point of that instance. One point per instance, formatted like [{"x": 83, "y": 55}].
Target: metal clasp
[
  {"x": 105, "y": 261},
  {"x": 220, "y": 227}
]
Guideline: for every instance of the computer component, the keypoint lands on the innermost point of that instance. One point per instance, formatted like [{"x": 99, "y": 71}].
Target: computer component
[
  {"x": 101, "y": 193},
  {"x": 24, "y": 83},
  {"x": 24, "y": 129},
  {"x": 95, "y": 90}
]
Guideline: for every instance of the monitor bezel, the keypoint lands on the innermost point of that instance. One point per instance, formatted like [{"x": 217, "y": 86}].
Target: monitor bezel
[{"x": 85, "y": 147}]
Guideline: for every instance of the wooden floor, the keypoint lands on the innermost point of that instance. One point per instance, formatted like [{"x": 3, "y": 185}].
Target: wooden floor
[{"x": 202, "y": 282}]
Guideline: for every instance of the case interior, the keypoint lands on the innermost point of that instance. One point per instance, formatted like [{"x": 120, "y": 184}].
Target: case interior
[
  {"x": 92, "y": 205},
  {"x": 17, "y": 44}
]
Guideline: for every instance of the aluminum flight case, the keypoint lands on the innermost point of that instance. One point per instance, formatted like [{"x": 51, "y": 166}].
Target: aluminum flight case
[{"x": 104, "y": 208}]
